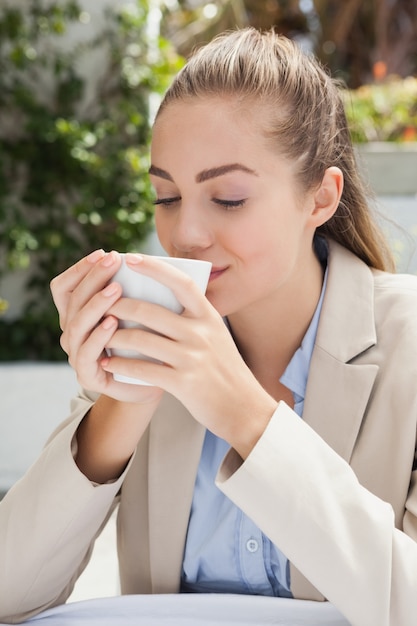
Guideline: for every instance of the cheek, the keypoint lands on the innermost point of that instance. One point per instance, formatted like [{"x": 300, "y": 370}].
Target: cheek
[
  {"x": 267, "y": 250},
  {"x": 254, "y": 241}
]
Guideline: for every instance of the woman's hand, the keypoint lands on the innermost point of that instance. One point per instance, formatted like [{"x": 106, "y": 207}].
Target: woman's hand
[
  {"x": 83, "y": 295},
  {"x": 198, "y": 359},
  {"x": 108, "y": 434}
]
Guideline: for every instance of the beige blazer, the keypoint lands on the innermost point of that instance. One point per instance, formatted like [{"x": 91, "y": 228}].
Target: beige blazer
[{"x": 336, "y": 490}]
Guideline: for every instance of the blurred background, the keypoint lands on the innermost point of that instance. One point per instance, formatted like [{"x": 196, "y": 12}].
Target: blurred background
[{"x": 80, "y": 81}]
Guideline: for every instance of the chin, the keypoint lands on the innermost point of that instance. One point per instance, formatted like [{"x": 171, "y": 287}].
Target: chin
[{"x": 217, "y": 303}]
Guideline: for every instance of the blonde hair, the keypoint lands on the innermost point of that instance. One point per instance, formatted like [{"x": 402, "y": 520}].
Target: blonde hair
[{"x": 308, "y": 121}]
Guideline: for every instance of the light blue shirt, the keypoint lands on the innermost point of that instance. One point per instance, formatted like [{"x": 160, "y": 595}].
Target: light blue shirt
[{"x": 225, "y": 551}]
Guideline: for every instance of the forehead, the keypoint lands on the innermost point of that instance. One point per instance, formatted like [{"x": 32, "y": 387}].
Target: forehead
[{"x": 210, "y": 125}]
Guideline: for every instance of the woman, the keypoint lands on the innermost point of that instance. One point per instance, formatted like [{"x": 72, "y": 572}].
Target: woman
[{"x": 298, "y": 367}]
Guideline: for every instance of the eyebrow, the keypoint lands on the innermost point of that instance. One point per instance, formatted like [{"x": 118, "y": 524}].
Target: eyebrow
[
  {"x": 204, "y": 175},
  {"x": 214, "y": 172},
  {"x": 157, "y": 171}
]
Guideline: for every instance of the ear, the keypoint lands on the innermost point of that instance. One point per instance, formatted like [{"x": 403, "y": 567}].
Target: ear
[{"x": 327, "y": 196}]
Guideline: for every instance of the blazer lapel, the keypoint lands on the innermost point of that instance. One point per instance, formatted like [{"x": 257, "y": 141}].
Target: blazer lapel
[
  {"x": 336, "y": 412},
  {"x": 338, "y": 388},
  {"x": 175, "y": 444}
]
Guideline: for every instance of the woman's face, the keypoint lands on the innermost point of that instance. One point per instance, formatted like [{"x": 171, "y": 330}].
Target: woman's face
[{"x": 224, "y": 196}]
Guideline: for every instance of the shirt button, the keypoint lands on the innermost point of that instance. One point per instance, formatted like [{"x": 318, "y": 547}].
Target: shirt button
[{"x": 252, "y": 545}]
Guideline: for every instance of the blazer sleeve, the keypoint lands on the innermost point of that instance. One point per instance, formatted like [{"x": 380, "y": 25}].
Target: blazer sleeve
[
  {"x": 48, "y": 523},
  {"x": 343, "y": 538}
]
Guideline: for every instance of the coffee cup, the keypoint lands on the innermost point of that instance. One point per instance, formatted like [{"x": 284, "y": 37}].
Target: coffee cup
[{"x": 141, "y": 287}]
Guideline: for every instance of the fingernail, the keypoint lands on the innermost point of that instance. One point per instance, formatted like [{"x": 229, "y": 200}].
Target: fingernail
[
  {"x": 108, "y": 322},
  {"x": 110, "y": 290},
  {"x": 95, "y": 256},
  {"x": 133, "y": 259},
  {"x": 109, "y": 259}
]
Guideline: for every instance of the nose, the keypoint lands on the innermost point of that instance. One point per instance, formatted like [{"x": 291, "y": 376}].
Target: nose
[{"x": 190, "y": 231}]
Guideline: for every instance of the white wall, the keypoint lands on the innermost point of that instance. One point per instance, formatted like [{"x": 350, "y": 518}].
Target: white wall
[{"x": 34, "y": 399}]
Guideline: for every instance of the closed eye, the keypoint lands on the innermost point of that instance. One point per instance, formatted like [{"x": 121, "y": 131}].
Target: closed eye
[
  {"x": 230, "y": 204},
  {"x": 167, "y": 201}
]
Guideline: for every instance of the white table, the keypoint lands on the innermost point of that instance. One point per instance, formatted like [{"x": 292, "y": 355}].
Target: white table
[{"x": 191, "y": 610}]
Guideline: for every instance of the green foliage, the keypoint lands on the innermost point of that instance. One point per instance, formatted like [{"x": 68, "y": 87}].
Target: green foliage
[
  {"x": 73, "y": 150},
  {"x": 384, "y": 111}
]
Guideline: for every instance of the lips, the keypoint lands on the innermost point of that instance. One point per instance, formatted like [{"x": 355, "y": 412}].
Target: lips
[{"x": 216, "y": 272}]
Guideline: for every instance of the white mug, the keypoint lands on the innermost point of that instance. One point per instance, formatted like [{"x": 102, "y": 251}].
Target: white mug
[{"x": 140, "y": 287}]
